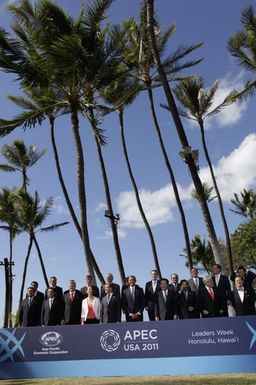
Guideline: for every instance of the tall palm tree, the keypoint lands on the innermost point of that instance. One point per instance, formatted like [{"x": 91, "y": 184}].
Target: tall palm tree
[
  {"x": 242, "y": 46},
  {"x": 20, "y": 158},
  {"x": 139, "y": 55},
  {"x": 30, "y": 217},
  {"x": 54, "y": 50},
  {"x": 121, "y": 94},
  {"x": 8, "y": 215},
  {"x": 181, "y": 132},
  {"x": 197, "y": 102},
  {"x": 245, "y": 204},
  {"x": 99, "y": 142}
]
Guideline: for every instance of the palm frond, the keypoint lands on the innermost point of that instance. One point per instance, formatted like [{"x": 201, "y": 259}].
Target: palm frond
[{"x": 53, "y": 227}]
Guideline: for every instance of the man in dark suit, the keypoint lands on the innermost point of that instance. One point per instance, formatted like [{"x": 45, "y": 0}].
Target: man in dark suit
[
  {"x": 133, "y": 301},
  {"x": 223, "y": 288},
  {"x": 247, "y": 276},
  {"x": 165, "y": 307},
  {"x": 57, "y": 289},
  {"x": 72, "y": 305},
  {"x": 209, "y": 302},
  {"x": 89, "y": 282},
  {"x": 30, "y": 310},
  {"x": 110, "y": 306},
  {"x": 38, "y": 295},
  {"x": 195, "y": 282},
  {"x": 187, "y": 302},
  {"x": 174, "y": 284},
  {"x": 243, "y": 298},
  {"x": 151, "y": 289},
  {"x": 116, "y": 288},
  {"x": 51, "y": 313}
]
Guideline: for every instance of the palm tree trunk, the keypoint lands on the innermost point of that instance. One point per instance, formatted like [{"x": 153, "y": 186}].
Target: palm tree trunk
[
  {"x": 109, "y": 201},
  {"x": 66, "y": 196},
  {"x": 10, "y": 278},
  {"x": 137, "y": 196},
  {"x": 61, "y": 179},
  {"x": 228, "y": 243},
  {"x": 172, "y": 177},
  {"x": 182, "y": 136},
  {"x": 25, "y": 269},
  {"x": 7, "y": 292},
  {"x": 90, "y": 259},
  {"x": 41, "y": 260}
]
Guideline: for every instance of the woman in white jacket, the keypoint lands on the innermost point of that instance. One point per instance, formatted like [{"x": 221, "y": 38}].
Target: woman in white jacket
[{"x": 90, "y": 308}]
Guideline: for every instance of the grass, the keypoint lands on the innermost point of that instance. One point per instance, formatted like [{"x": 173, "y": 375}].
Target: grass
[{"x": 241, "y": 379}]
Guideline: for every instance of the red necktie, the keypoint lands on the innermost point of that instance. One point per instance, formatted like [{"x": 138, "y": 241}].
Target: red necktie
[{"x": 211, "y": 293}]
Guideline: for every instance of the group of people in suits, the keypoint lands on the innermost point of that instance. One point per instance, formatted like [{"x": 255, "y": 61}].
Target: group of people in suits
[{"x": 196, "y": 297}]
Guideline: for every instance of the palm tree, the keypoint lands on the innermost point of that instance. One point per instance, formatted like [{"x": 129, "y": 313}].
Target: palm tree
[
  {"x": 120, "y": 94},
  {"x": 56, "y": 50},
  {"x": 99, "y": 140},
  {"x": 245, "y": 204},
  {"x": 20, "y": 158},
  {"x": 207, "y": 193},
  {"x": 8, "y": 215},
  {"x": 197, "y": 103},
  {"x": 186, "y": 149},
  {"x": 30, "y": 217},
  {"x": 242, "y": 46},
  {"x": 138, "y": 54},
  {"x": 202, "y": 254}
]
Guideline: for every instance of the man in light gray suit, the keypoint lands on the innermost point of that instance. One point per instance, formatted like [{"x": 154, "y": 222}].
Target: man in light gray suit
[
  {"x": 110, "y": 306},
  {"x": 195, "y": 282}
]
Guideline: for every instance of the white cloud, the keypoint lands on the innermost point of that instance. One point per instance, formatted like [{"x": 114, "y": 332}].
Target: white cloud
[
  {"x": 100, "y": 207},
  {"x": 59, "y": 206},
  {"x": 108, "y": 234},
  {"x": 231, "y": 114},
  {"x": 234, "y": 172},
  {"x": 157, "y": 206}
]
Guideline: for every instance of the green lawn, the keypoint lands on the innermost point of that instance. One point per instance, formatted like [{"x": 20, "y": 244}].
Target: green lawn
[{"x": 241, "y": 379}]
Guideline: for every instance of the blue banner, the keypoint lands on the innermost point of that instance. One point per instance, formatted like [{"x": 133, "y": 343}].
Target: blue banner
[{"x": 94, "y": 349}]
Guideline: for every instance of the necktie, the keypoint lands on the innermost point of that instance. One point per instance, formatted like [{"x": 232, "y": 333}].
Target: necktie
[
  {"x": 50, "y": 303},
  {"x": 72, "y": 296},
  {"x": 165, "y": 295},
  {"x": 211, "y": 293},
  {"x": 108, "y": 297},
  {"x": 132, "y": 289},
  {"x": 196, "y": 282},
  {"x": 29, "y": 301}
]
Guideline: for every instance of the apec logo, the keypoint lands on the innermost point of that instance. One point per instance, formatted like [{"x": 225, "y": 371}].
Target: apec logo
[
  {"x": 110, "y": 340},
  {"x": 145, "y": 339},
  {"x": 51, "y": 339}
]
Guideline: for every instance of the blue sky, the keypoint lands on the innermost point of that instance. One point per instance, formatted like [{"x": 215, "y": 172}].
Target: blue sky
[{"x": 231, "y": 140}]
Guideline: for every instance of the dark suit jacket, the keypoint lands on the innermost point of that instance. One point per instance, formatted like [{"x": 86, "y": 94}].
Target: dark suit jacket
[
  {"x": 247, "y": 307},
  {"x": 58, "y": 293},
  {"x": 184, "y": 303},
  {"x": 53, "y": 316},
  {"x": 192, "y": 284},
  {"x": 116, "y": 290},
  {"x": 130, "y": 306},
  {"x": 96, "y": 291},
  {"x": 248, "y": 278},
  {"x": 205, "y": 302},
  {"x": 30, "y": 315},
  {"x": 150, "y": 295},
  {"x": 224, "y": 292},
  {"x": 175, "y": 289},
  {"x": 72, "y": 310},
  {"x": 165, "y": 310},
  {"x": 110, "y": 312}
]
